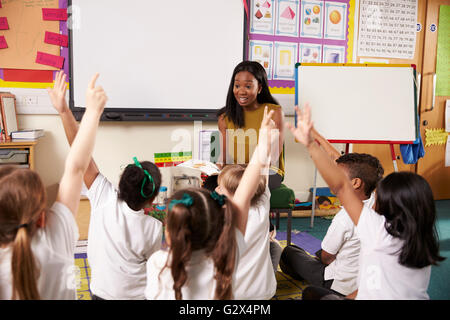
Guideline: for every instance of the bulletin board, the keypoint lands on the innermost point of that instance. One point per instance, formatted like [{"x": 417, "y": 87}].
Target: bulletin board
[
  {"x": 285, "y": 32},
  {"x": 35, "y": 47}
]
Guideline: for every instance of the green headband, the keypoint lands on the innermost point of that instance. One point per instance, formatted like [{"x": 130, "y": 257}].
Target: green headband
[{"x": 147, "y": 176}]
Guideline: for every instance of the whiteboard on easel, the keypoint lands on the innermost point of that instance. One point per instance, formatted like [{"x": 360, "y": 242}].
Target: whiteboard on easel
[{"x": 360, "y": 103}]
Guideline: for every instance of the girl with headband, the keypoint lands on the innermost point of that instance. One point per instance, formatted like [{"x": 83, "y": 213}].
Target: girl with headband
[
  {"x": 205, "y": 236},
  {"x": 121, "y": 236}
]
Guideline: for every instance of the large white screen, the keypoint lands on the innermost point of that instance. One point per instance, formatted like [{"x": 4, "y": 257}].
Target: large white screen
[{"x": 157, "y": 54}]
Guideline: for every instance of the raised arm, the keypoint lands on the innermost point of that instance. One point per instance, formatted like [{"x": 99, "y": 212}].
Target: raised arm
[
  {"x": 331, "y": 173},
  {"x": 58, "y": 97},
  {"x": 327, "y": 146},
  {"x": 259, "y": 164},
  {"x": 80, "y": 152}
]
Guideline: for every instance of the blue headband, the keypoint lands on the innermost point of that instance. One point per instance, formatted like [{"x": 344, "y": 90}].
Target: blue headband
[{"x": 187, "y": 200}]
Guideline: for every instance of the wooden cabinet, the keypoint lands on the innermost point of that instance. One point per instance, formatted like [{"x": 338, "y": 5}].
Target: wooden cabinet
[
  {"x": 431, "y": 166},
  {"x": 28, "y": 145}
]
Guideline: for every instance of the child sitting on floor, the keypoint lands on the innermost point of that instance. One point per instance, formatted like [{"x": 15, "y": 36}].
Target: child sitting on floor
[
  {"x": 399, "y": 242},
  {"x": 255, "y": 276},
  {"x": 121, "y": 236},
  {"x": 204, "y": 233},
  {"x": 336, "y": 265}
]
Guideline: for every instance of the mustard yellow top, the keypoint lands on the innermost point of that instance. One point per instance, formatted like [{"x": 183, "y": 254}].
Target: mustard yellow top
[{"x": 245, "y": 139}]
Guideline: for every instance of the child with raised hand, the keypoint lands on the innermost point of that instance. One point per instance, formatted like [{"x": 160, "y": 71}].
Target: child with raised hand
[
  {"x": 204, "y": 233},
  {"x": 37, "y": 245},
  {"x": 398, "y": 238},
  {"x": 121, "y": 236},
  {"x": 336, "y": 265},
  {"x": 255, "y": 276}
]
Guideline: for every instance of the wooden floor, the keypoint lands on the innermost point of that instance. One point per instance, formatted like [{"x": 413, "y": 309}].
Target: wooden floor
[{"x": 83, "y": 218}]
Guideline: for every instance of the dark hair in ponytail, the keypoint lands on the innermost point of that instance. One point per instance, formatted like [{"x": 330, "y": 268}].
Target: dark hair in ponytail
[
  {"x": 22, "y": 201},
  {"x": 130, "y": 185},
  {"x": 406, "y": 201},
  {"x": 205, "y": 225}
]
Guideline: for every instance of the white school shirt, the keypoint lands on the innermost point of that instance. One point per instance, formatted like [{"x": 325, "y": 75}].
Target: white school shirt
[
  {"x": 120, "y": 242},
  {"x": 53, "y": 248},
  {"x": 200, "y": 283},
  {"x": 381, "y": 275},
  {"x": 341, "y": 240},
  {"x": 255, "y": 279}
]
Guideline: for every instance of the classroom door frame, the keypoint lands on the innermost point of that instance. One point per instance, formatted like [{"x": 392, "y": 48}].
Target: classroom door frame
[{"x": 432, "y": 108}]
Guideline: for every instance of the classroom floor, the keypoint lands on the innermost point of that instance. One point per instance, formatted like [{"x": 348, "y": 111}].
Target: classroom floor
[
  {"x": 287, "y": 288},
  {"x": 310, "y": 239}
]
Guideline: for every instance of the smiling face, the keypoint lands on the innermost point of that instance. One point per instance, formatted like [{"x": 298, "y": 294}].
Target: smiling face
[{"x": 246, "y": 89}]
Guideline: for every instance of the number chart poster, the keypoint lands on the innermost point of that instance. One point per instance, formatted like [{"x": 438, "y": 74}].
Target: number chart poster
[
  {"x": 35, "y": 42},
  {"x": 284, "y": 32}
]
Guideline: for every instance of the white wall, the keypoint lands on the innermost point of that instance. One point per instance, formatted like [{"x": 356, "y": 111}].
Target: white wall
[{"x": 118, "y": 142}]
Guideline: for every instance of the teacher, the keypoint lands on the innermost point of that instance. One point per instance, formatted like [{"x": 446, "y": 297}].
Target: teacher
[{"x": 239, "y": 121}]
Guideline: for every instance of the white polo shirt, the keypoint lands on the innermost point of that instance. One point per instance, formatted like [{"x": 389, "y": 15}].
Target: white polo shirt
[
  {"x": 200, "y": 283},
  {"x": 53, "y": 248},
  {"x": 381, "y": 276},
  {"x": 255, "y": 279},
  {"x": 120, "y": 242},
  {"x": 341, "y": 240}
]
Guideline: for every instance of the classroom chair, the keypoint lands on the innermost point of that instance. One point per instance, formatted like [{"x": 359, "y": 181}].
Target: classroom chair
[{"x": 282, "y": 199}]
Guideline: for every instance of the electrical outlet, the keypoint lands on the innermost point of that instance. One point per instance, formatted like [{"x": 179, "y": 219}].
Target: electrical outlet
[{"x": 30, "y": 100}]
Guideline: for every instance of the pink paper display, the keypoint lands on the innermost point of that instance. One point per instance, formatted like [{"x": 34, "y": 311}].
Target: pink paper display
[
  {"x": 56, "y": 38},
  {"x": 3, "y": 44},
  {"x": 54, "y": 14},
  {"x": 49, "y": 60},
  {"x": 4, "y": 23}
]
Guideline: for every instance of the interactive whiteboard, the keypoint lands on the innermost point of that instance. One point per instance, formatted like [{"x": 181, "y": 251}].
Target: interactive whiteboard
[
  {"x": 156, "y": 57},
  {"x": 360, "y": 103}
]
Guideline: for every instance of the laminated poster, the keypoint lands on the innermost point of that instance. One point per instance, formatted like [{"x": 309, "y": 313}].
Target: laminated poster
[
  {"x": 387, "y": 28},
  {"x": 287, "y": 18},
  {"x": 261, "y": 16},
  {"x": 333, "y": 54},
  {"x": 284, "y": 60},
  {"x": 335, "y": 21},
  {"x": 311, "y": 19},
  {"x": 262, "y": 52},
  {"x": 26, "y": 33},
  {"x": 310, "y": 53}
]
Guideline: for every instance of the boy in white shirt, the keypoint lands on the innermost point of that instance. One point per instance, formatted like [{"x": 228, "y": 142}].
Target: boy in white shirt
[
  {"x": 336, "y": 264},
  {"x": 121, "y": 236},
  {"x": 399, "y": 241}
]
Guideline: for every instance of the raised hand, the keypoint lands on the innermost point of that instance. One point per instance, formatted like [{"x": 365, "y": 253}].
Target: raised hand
[
  {"x": 266, "y": 136},
  {"x": 58, "y": 92},
  {"x": 95, "y": 96},
  {"x": 303, "y": 132}
]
